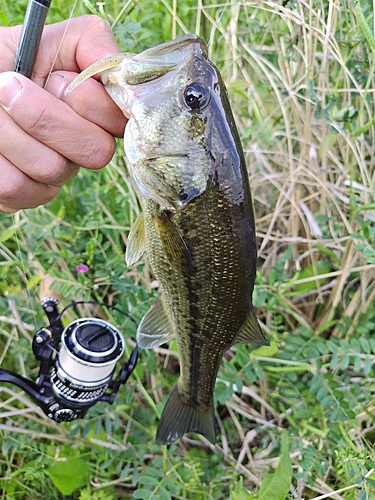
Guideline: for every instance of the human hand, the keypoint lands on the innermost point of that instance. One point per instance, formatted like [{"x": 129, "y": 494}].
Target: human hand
[{"x": 44, "y": 135}]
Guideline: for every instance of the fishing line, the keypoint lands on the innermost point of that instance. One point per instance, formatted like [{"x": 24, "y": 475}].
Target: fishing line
[
  {"x": 17, "y": 227},
  {"x": 97, "y": 303},
  {"x": 61, "y": 42}
]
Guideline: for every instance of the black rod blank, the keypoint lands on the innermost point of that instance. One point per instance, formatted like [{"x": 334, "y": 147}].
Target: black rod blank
[{"x": 31, "y": 34}]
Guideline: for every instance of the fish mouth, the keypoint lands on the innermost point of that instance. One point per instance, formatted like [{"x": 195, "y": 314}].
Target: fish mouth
[
  {"x": 153, "y": 63},
  {"x": 157, "y": 61}
]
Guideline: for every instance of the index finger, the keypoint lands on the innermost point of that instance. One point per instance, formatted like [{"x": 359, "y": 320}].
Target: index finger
[{"x": 70, "y": 45}]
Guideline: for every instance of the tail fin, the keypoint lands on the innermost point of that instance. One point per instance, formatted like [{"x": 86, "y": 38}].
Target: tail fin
[{"x": 179, "y": 417}]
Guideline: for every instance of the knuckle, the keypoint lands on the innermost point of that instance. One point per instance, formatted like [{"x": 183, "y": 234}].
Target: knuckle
[
  {"x": 57, "y": 172},
  {"x": 21, "y": 191},
  {"x": 10, "y": 192},
  {"x": 49, "y": 172},
  {"x": 45, "y": 195},
  {"x": 82, "y": 100},
  {"x": 10, "y": 210},
  {"x": 48, "y": 195},
  {"x": 98, "y": 153},
  {"x": 98, "y": 24},
  {"x": 16, "y": 198},
  {"x": 39, "y": 121}
]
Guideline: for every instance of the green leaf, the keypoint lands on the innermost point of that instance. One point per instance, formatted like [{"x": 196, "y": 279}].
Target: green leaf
[
  {"x": 6, "y": 235},
  {"x": 244, "y": 495},
  {"x": 344, "y": 345},
  {"x": 68, "y": 475},
  {"x": 345, "y": 362},
  {"x": 260, "y": 298},
  {"x": 365, "y": 345},
  {"x": 355, "y": 345},
  {"x": 240, "y": 492},
  {"x": 367, "y": 367},
  {"x": 266, "y": 350},
  {"x": 4, "y": 21},
  {"x": 334, "y": 362},
  {"x": 125, "y": 472},
  {"x": 326, "y": 401},
  {"x": 365, "y": 28},
  {"x": 164, "y": 493},
  {"x": 141, "y": 493},
  {"x": 344, "y": 114},
  {"x": 327, "y": 251},
  {"x": 363, "y": 495},
  {"x": 321, "y": 267},
  {"x": 322, "y": 393},
  {"x": 239, "y": 384},
  {"x": 357, "y": 364},
  {"x": 276, "y": 486},
  {"x": 356, "y": 236},
  {"x": 332, "y": 346},
  {"x": 316, "y": 384},
  {"x": 372, "y": 345},
  {"x": 148, "y": 481},
  {"x": 333, "y": 417}
]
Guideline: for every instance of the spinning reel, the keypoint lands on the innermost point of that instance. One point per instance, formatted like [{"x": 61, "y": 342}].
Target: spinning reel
[{"x": 77, "y": 364}]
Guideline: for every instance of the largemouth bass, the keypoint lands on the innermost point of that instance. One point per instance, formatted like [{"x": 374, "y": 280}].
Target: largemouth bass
[{"x": 197, "y": 224}]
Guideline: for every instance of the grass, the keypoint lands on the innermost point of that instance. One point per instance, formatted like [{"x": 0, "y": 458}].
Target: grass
[{"x": 300, "y": 76}]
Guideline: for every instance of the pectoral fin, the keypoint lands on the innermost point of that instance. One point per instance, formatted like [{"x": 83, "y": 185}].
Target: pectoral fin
[
  {"x": 174, "y": 245},
  {"x": 155, "y": 328},
  {"x": 251, "y": 332},
  {"x": 136, "y": 241}
]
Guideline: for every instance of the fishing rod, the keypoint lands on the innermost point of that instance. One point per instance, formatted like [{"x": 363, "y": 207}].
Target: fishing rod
[{"x": 32, "y": 29}]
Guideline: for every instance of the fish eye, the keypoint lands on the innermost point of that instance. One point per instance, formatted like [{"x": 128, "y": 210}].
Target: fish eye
[{"x": 196, "y": 96}]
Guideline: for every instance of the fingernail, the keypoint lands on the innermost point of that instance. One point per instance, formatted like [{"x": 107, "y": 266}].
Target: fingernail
[
  {"x": 56, "y": 84},
  {"x": 10, "y": 89}
]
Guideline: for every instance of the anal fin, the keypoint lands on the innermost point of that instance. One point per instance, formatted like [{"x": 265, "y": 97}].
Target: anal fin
[
  {"x": 155, "y": 328},
  {"x": 251, "y": 332}
]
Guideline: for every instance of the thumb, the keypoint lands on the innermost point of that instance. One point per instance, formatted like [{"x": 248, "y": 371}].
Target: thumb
[{"x": 10, "y": 89}]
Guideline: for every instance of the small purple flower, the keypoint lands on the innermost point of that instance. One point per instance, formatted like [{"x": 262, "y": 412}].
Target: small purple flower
[{"x": 82, "y": 268}]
